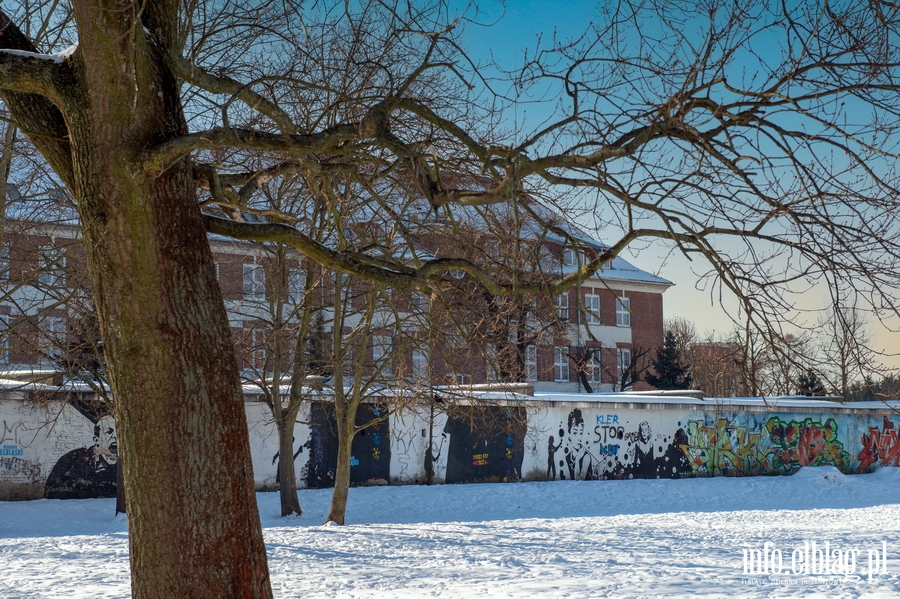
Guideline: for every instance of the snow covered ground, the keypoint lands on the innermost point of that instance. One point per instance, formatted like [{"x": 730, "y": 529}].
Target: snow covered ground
[{"x": 639, "y": 538}]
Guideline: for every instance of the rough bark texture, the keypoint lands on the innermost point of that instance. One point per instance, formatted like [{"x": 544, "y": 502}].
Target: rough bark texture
[
  {"x": 346, "y": 430},
  {"x": 193, "y": 522},
  {"x": 287, "y": 473}
]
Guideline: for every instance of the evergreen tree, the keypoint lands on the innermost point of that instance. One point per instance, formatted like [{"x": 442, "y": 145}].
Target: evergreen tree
[{"x": 669, "y": 370}]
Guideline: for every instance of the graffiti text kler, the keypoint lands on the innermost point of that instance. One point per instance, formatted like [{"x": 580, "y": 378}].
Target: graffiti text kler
[{"x": 816, "y": 558}]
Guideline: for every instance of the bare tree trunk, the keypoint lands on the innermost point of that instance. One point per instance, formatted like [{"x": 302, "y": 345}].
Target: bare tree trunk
[
  {"x": 345, "y": 433},
  {"x": 182, "y": 423},
  {"x": 194, "y": 526},
  {"x": 287, "y": 473}
]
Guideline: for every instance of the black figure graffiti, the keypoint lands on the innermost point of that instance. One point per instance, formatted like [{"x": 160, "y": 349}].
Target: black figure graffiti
[
  {"x": 551, "y": 458},
  {"x": 433, "y": 457},
  {"x": 674, "y": 463},
  {"x": 647, "y": 462},
  {"x": 579, "y": 460},
  {"x": 641, "y": 442},
  {"x": 87, "y": 472},
  {"x": 276, "y": 460}
]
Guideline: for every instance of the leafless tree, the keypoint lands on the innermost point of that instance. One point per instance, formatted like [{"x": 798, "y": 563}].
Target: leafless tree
[
  {"x": 845, "y": 349},
  {"x": 758, "y": 137}
]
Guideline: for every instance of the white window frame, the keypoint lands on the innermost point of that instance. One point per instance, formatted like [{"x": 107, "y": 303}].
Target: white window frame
[
  {"x": 53, "y": 337},
  {"x": 52, "y": 272},
  {"x": 623, "y": 311},
  {"x": 570, "y": 257},
  {"x": 491, "y": 363},
  {"x": 623, "y": 358},
  {"x": 419, "y": 302},
  {"x": 593, "y": 370},
  {"x": 561, "y": 372},
  {"x": 259, "y": 350},
  {"x": 381, "y": 352},
  {"x": 419, "y": 364},
  {"x": 531, "y": 370},
  {"x": 592, "y": 308},
  {"x": 254, "y": 283},
  {"x": 459, "y": 379},
  {"x": 561, "y": 302},
  {"x": 296, "y": 281}
]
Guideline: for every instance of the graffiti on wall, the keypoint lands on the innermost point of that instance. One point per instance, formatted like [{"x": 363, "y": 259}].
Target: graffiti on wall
[
  {"x": 370, "y": 449},
  {"x": 880, "y": 447},
  {"x": 724, "y": 445},
  {"x": 726, "y": 448},
  {"x": 805, "y": 443},
  {"x": 87, "y": 472},
  {"x": 485, "y": 445},
  {"x": 615, "y": 449},
  {"x": 13, "y": 466}
]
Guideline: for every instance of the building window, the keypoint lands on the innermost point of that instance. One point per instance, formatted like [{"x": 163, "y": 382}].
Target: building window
[
  {"x": 592, "y": 309},
  {"x": 531, "y": 370},
  {"x": 381, "y": 354},
  {"x": 623, "y": 312},
  {"x": 4, "y": 263},
  {"x": 491, "y": 362},
  {"x": 53, "y": 337},
  {"x": 419, "y": 302},
  {"x": 52, "y": 268},
  {"x": 561, "y": 364},
  {"x": 623, "y": 364},
  {"x": 296, "y": 283},
  {"x": 258, "y": 352},
  {"x": 419, "y": 364},
  {"x": 456, "y": 378},
  {"x": 561, "y": 302},
  {"x": 570, "y": 257},
  {"x": 254, "y": 283},
  {"x": 592, "y": 368}
]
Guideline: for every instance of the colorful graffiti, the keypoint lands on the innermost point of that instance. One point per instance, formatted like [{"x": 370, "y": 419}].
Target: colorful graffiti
[
  {"x": 805, "y": 443},
  {"x": 880, "y": 447},
  {"x": 725, "y": 449}
]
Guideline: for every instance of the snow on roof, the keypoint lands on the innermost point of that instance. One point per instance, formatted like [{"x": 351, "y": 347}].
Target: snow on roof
[
  {"x": 621, "y": 270},
  {"x": 617, "y": 398}
]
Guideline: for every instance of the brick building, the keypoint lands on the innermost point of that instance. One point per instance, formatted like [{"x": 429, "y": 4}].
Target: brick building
[{"x": 587, "y": 338}]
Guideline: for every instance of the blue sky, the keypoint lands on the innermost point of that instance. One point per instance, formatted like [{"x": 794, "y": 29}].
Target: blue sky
[{"x": 507, "y": 31}]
